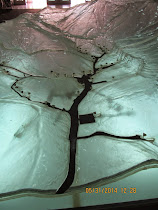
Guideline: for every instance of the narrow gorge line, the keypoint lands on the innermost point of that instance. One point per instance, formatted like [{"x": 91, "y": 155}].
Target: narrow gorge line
[{"x": 100, "y": 133}]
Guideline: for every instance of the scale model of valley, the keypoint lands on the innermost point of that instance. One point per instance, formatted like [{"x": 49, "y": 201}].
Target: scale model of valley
[{"x": 78, "y": 97}]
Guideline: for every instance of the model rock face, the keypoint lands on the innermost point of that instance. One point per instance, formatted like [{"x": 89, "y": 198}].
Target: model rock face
[{"x": 78, "y": 96}]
